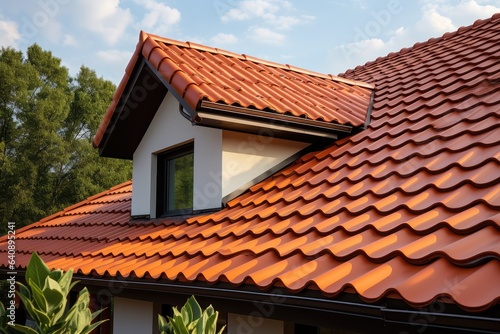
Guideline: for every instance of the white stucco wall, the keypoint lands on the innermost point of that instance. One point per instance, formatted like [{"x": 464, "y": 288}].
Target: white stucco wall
[
  {"x": 168, "y": 129},
  {"x": 239, "y": 324},
  {"x": 132, "y": 316},
  {"x": 246, "y": 156},
  {"x": 223, "y": 160}
]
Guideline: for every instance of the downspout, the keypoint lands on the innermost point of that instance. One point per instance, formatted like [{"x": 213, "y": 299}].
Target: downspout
[{"x": 185, "y": 114}]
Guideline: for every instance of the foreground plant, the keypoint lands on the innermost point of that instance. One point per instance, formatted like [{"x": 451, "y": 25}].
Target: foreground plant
[
  {"x": 190, "y": 320},
  {"x": 3, "y": 319},
  {"x": 46, "y": 298}
]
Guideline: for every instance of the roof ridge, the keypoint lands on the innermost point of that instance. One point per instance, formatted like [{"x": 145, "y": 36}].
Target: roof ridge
[
  {"x": 430, "y": 41},
  {"x": 245, "y": 57}
]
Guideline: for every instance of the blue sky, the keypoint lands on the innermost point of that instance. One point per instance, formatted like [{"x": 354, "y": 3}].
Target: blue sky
[{"x": 319, "y": 35}]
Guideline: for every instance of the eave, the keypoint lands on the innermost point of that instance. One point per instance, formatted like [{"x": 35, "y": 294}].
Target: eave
[
  {"x": 346, "y": 310},
  {"x": 270, "y": 123},
  {"x": 133, "y": 114}
]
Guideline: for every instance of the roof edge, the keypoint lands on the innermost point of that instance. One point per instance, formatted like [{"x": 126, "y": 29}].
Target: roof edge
[
  {"x": 101, "y": 130},
  {"x": 69, "y": 208},
  {"x": 391, "y": 312},
  {"x": 245, "y": 57},
  {"x": 139, "y": 50}
]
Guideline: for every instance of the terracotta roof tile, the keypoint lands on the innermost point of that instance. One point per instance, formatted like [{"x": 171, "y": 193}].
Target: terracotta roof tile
[
  {"x": 198, "y": 72},
  {"x": 407, "y": 208}
]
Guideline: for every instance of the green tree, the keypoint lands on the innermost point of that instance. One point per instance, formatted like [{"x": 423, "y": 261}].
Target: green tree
[{"x": 47, "y": 122}]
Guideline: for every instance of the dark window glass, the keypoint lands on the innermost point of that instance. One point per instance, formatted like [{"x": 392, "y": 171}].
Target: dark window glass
[
  {"x": 305, "y": 329},
  {"x": 175, "y": 182}
]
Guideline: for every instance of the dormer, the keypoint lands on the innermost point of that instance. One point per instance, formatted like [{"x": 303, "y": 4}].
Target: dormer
[{"x": 202, "y": 125}]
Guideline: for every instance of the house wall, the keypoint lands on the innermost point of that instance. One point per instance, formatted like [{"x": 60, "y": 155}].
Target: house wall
[
  {"x": 132, "y": 316},
  {"x": 246, "y": 156},
  {"x": 223, "y": 160},
  {"x": 238, "y": 324},
  {"x": 167, "y": 130}
]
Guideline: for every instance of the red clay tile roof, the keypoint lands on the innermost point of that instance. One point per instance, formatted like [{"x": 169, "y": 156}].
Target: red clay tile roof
[
  {"x": 408, "y": 208},
  {"x": 201, "y": 73}
]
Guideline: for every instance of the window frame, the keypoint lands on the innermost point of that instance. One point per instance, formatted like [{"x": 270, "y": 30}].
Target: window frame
[{"x": 162, "y": 183}]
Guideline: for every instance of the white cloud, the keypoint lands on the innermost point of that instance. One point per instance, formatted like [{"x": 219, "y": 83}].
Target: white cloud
[
  {"x": 432, "y": 22},
  {"x": 9, "y": 34},
  {"x": 360, "y": 52},
  {"x": 69, "y": 40},
  {"x": 223, "y": 39},
  {"x": 401, "y": 31},
  {"x": 51, "y": 23},
  {"x": 103, "y": 17},
  {"x": 35, "y": 24},
  {"x": 286, "y": 22},
  {"x": 466, "y": 12},
  {"x": 436, "y": 18},
  {"x": 266, "y": 36},
  {"x": 160, "y": 18},
  {"x": 114, "y": 56},
  {"x": 53, "y": 30},
  {"x": 248, "y": 9},
  {"x": 278, "y": 14}
]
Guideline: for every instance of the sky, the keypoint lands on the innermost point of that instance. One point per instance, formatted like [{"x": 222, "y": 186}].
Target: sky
[{"x": 318, "y": 35}]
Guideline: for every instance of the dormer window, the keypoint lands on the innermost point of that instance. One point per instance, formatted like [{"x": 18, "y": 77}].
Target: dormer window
[
  {"x": 175, "y": 181},
  {"x": 243, "y": 132}
]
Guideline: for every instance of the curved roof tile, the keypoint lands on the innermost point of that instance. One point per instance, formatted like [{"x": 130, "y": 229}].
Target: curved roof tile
[{"x": 408, "y": 208}]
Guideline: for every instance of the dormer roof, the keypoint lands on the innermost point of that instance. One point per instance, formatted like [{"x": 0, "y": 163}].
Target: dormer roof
[{"x": 222, "y": 89}]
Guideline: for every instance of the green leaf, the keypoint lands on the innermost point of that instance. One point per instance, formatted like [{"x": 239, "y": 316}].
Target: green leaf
[
  {"x": 195, "y": 307},
  {"x": 176, "y": 312},
  {"x": 164, "y": 326},
  {"x": 201, "y": 325},
  {"x": 162, "y": 322},
  {"x": 24, "y": 329},
  {"x": 211, "y": 325},
  {"x": 56, "y": 301},
  {"x": 179, "y": 326},
  {"x": 209, "y": 310},
  {"x": 72, "y": 286},
  {"x": 187, "y": 314},
  {"x": 46, "y": 303},
  {"x": 3, "y": 319},
  {"x": 37, "y": 271},
  {"x": 38, "y": 296},
  {"x": 192, "y": 319},
  {"x": 93, "y": 326},
  {"x": 79, "y": 315},
  {"x": 56, "y": 274},
  {"x": 39, "y": 316},
  {"x": 191, "y": 326},
  {"x": 65, "y": 282},
  {"x": 27, "y": 304},
  {"x": 23, "y": 290},
  {"x": 96, "y": 313},
  {"x": 42, "y": 320},
  {"x": 61, "y": 330}
]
